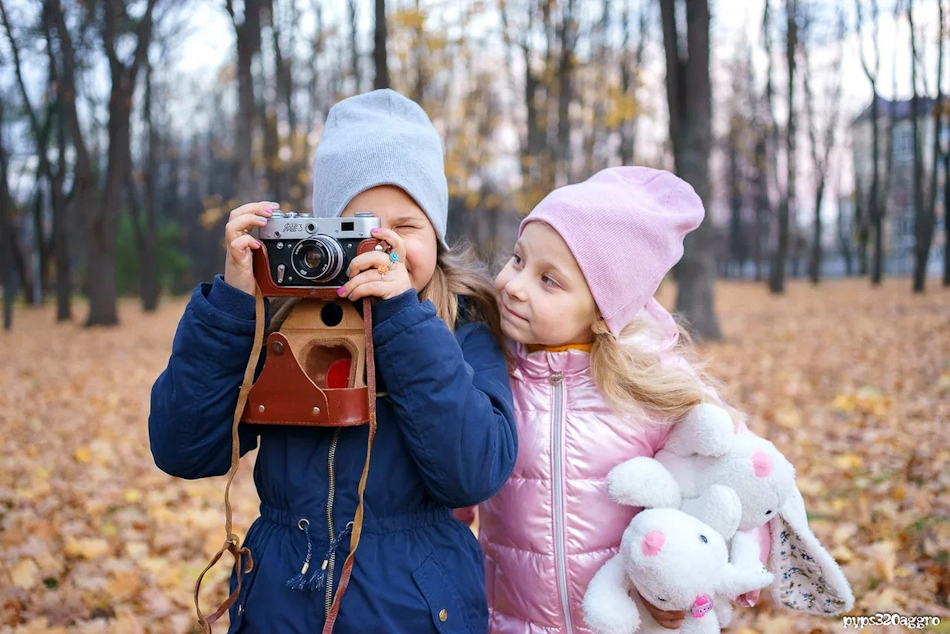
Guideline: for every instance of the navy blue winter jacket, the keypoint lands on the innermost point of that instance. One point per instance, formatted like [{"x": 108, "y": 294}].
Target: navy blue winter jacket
[{"x": 446, "y": 439}]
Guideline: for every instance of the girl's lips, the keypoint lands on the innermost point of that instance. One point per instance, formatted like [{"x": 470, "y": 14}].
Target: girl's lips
[{"x": 512, "y": 313}]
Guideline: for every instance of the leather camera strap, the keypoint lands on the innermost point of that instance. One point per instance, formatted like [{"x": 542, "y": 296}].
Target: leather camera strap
[{"x": 231, "y": 543}]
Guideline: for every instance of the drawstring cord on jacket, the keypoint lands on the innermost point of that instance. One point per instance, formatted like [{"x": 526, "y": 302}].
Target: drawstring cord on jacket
[
  {"x": 318, "y": 579},
  {"x": 297, "y": 582}
]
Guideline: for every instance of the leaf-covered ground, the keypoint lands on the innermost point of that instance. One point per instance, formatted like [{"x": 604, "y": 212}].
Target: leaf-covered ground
[{"x": 852, "y": 384}]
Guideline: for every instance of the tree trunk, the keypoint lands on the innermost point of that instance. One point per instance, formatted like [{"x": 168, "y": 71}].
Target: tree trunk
[
  {"x": 151, "y": 275},
  {"x": 380, "y": 59},
  {"x": 248, "y": 35},
  {"x": 418, "y": 93},
  {"x": 923, "y": 226},
  {"x": 626, "y": 75},
  {"x": 55, "y": 178},
  {"x": 946, "y": 218},
  {"x": 787, "y": 206},
  {"x": 875, "y": 204},
  {"x": 7, "y": 237},
  {"x": 104, "y": 228},
  {"x": 39, "y": 251},
  {"x": 530, "y": 158},
  {"x": 354, "y": 45},
  {"x": 104, "y": 225},
  {"x": 628, "y": 81},
  {"x": 689, "y": 92},
  {"x": 860, "y": 227},
  {"x": 815, "y": 269},
  {"x": 565, "y": 93},
  {"x": 736, "y": 254},
  {"x": 64, "y": 285},
  {"x": 938, "y": 121},
  {"x": 844, "y": 240},
  {"x": 85, "y": 197}
]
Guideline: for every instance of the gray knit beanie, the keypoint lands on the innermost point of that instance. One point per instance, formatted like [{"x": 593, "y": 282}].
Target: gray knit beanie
[{"x": 380, "y": 138}]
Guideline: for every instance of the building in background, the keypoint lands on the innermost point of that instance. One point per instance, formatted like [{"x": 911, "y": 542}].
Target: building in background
[{"x": 897, "y": 193}]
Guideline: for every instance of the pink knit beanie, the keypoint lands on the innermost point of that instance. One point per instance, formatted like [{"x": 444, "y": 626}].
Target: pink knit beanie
[{"x": 625, "y": 227}]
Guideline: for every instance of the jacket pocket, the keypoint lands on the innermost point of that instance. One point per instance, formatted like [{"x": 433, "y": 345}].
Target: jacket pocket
[
  {"x": 445, "y": 604},
  {"x": 237, "y": 610}
]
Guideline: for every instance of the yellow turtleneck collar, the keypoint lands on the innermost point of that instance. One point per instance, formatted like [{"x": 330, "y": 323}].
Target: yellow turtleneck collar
[{"x": 583, "y": 347}]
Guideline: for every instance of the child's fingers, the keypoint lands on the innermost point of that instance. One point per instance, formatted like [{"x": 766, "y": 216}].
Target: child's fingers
[
  {"x": 260, "y": 208},
  {"x": 367, "y": 261},
  {"x": 393, "y": 239},
  {"x": 366, "y": 277},
  {"x": 241, "y": 246},
  {"x": 239, "y": 225},
  {"x": 378, "y": 288}
]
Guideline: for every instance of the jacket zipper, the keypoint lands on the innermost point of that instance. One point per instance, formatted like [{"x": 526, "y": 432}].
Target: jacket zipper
[
  {"x": 331, "y": 563},
  {"x": 556, "y": 380}
]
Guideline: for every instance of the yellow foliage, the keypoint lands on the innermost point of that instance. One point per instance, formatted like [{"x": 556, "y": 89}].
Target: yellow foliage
[
  {"x": 621, "y": 108},
  {"x": 867, "y": 400},
  {"x": 409, "y": 18}
]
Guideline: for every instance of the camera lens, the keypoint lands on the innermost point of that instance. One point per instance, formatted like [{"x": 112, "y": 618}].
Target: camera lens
[
  {"x": 313, "y": 258},
  {"x": 319, "y": 259}
]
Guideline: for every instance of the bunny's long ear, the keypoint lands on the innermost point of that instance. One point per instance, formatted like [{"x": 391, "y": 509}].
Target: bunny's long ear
[{"x": 807, "y": 577}]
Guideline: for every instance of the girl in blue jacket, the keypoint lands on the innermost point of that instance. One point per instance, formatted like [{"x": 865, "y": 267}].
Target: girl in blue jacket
[{"x": 446, "y": 435}]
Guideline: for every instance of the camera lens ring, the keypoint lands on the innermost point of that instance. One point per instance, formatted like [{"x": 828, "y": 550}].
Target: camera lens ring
[{"x": 329, "y": 249}]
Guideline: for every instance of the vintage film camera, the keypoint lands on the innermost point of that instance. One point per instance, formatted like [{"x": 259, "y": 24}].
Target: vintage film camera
[
  {"x": 314, "y": 372},
  {"x": 308, "y": 252}
]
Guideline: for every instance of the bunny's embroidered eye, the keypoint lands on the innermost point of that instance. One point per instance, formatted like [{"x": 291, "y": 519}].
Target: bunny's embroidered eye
[
  {"x": 769, "y": 512},
  {"x": 703, "y": 539}
]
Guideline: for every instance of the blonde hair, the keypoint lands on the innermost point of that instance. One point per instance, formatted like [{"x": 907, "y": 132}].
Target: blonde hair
[
  {"x": 458, "y": 273},
  {"x": 632, "y": 378}
]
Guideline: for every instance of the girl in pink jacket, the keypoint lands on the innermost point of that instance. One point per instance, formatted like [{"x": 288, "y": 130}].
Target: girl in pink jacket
[{"x": 599, "y": 376}]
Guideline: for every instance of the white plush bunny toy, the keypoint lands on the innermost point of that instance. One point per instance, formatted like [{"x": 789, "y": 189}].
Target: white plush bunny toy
[
  {"x": 704, "y": 454},
  {"x": 675, "y": 562}
]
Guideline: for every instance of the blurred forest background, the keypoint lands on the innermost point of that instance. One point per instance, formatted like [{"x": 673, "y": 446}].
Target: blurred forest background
[{"x": 816, "y": 131}]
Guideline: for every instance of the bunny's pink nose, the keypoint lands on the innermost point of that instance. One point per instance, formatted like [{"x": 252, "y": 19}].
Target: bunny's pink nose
[
  {"x": 761, "y": 464},
  {"x": 652, "y": 543}
]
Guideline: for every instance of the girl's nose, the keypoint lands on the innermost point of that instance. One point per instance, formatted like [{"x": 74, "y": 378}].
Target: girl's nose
[{"x": 515, "y": 288}]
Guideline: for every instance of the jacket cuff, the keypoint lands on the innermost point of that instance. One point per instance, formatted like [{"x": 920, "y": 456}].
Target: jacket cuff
[
  {"x": 220, "y": 305},
  {"x": 386, "y": 308},
  {"x": 228, "y": 299}
]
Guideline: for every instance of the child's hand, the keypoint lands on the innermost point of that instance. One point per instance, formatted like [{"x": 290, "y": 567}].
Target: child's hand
[
  {"x": 669, "y": 620},
  {"x": 748, "y": 600},
  {"x": 238, "y": 265},
  {"x": 375, "y": 274}
]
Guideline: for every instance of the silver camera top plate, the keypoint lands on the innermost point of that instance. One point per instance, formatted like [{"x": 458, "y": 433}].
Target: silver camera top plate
[{"x": 292, "y": 226}]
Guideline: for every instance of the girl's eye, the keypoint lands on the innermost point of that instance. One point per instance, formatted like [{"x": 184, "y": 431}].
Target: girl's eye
[
  {"x": 550, "y": 281},
  {"x": 516, "y": 260}
]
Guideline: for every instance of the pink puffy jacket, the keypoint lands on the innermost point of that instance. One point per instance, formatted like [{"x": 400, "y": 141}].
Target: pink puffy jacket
[{"x": 552, "y": 526}]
